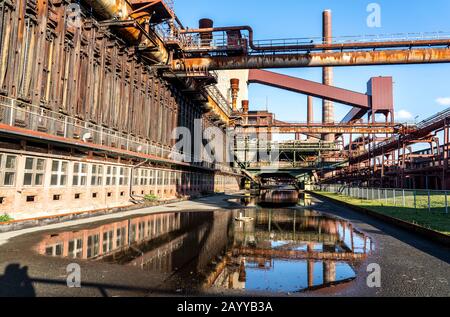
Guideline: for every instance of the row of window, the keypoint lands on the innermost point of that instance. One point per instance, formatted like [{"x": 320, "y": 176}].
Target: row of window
[
  {"x": 115, "y": 239},
  {"x": 87, "y": 174}
]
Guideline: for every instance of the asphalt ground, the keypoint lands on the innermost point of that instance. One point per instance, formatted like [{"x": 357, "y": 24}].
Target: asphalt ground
[{"x": 410, "y": 265}]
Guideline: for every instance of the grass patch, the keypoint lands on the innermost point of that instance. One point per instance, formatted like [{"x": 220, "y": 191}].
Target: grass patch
[
  {"x": 151, "y": 198},
  {"x": 5, "y": 218},
  {"x": 436, "y": 219}
]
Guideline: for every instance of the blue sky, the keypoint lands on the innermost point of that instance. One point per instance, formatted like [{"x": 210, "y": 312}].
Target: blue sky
[{"x": 417, "y": 87}]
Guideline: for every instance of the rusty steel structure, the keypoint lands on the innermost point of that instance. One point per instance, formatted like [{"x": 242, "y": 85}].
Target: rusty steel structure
[
  {"x": 88, "y": 106},
  {"x": 92, "y": 91},
  {"x": 397, "y": 162}
]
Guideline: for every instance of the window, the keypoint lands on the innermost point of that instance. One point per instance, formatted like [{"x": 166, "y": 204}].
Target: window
[
  {"x": 132, "y": 233},
  {"x": 120, "y": 237},
  {"x": 123, "y": 176},
  {"x": 76, "y": 248},
  {"x": 136, "y": 175},
  {"x": 56, "y": 197},
  {"x": 59, "y": 173},
  {"x": 97, "y": 175},
  {"x": 79, "y": 174},
  {"x": 54, "y": 250},
  {"x": 111, "y": 175},
  {"x": 31, "y": 199},
  {"x": 34, "y": 172},
  {"x": 152, "y": 177},
  {"x": 77, "y": 196},
  {"x": 159, "y": 177},
  {"x": 93, "y": 246},
  {"x": 94, "y": 195},
  {"x": 144, "y": 177},
  {"x": 7, "y": 170},
  {"x": 108, "y": 241},
  {"x": 141, "y": 233}
]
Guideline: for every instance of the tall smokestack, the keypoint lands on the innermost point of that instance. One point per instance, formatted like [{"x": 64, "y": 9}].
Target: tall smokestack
[
  {"x": 310, "y": 114},
  {"x": 245, "y": 106},
  {"x": 327, "y": 75}
]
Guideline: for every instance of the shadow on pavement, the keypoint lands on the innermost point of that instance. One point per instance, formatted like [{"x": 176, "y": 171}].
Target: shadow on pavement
[{"x": 15, "y": 282}]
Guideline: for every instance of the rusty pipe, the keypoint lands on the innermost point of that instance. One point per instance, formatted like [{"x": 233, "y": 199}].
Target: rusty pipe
[
  {"x": 120, "y": 11},
  {"x": 321, "y": 47},
  {"x": 234, "y": 93},
  {"x": 245, "y": 106},
  {"x": 319, "y": 59}
]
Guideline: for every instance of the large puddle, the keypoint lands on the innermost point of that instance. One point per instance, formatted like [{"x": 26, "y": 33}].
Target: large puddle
[{"x": 269, "y": 250}]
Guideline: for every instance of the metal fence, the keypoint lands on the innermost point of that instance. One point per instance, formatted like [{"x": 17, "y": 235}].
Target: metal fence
[
  {"x": 428, "y": 200},
  {"x": 14, "y": 112}
]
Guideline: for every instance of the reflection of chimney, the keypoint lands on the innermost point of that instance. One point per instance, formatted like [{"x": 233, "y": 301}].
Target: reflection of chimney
[
  {"x": 310, "y": 273},
  {"x": 327, "y": 75},
  {"x": 242, "y": 273},
  {"x": 245, "y": 108},
  {"x": 329, "y": 272},
  {"x": 234, "y": 93},
  {"x": 206, "y": 38}
]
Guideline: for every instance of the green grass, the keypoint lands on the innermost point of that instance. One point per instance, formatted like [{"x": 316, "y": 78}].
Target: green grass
[
  {"x": 5, "y": 218},
  {"x": 436, "y": 219},
  {"x": 151, "y": 198}
]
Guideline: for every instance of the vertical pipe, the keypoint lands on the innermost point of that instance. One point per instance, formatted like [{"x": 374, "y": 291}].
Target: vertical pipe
[
  {"x": 234, "y": 93},
  {"x": 310, "y": 113},
  {"x": 327, "y": 75}
]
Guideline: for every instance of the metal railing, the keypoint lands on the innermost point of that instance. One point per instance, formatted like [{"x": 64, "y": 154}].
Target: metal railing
[
  {"x": 221, "y": 40},
  {"x": 421, "y": 125},
  {"x": 428, "y": 200},
  {"x": 17, "y": 113},
  {"x": 219, "y": 98}
]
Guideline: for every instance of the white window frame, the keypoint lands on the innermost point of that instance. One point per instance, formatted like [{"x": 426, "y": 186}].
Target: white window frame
[
  {"x": 144, "y": 177},
  {"x": 97, "y": 173},
  {"x": 78, "y": 172},
  {"x": 77, "y": 252},
  {"x": 124, "y": 175},
  {"x": 111, "y": 175},
  {"x": 4, "y": 169},
  {"x": 59, "y": 173},
  {"x": 34, "y": 171}
]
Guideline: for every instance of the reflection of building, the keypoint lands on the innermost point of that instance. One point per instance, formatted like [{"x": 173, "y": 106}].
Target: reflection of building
[
  {"x": 222, "y": 251},
  {"x": 160, "y": 243},
  {"x": 323, "y": 247},
  {"x": 114, "y": 237}
]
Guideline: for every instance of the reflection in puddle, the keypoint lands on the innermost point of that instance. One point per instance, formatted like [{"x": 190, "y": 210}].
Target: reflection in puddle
[
  {"x": 273, "y": 250},
  {"x": 276, "y": 199}
]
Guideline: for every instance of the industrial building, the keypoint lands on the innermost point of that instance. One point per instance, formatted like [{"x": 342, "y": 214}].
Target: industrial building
[{"x": 91, "y": 93}]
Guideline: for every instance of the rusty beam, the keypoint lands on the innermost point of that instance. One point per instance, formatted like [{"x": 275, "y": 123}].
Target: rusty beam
[
  {"x": 311, "y": 88},
  {"x": 292, "y": 254},
  {"x": 321, "y": 128},
  {"x": 320, "y": 59}
]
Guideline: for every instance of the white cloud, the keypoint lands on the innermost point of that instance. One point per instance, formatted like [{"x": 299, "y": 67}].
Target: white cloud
[
  {"x": 404, "y": 115},
  {"x": 443, "y": 101}
]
